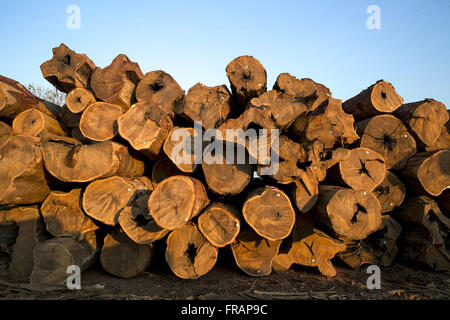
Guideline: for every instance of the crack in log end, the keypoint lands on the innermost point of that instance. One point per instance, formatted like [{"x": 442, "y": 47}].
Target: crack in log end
[
  {"x": 246, "y": 76},
  {"x": 326, "y": 155},
  {"x": 255, "y": 127},
  {"x": 140, "y": 220},
  {"x": 389, "y": 142},
  {"x": 363, "y": 169},
  {"x": 359, "y": 208},
  {"x": 303, "y": 165},
  {"x": 383, "y": 95},
  {"x": 191, "y": 252},
  {"x": 155, "y": 86},
  {"x": 382, "y": 190},
  {"x": 308, "y": 100},
  {"x": 78, "y": 100},
  {"x": 66, "y": 59},
  {"x": 70, "y": 160}
]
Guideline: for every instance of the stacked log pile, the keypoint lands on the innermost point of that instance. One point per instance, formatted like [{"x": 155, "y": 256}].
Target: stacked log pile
[{"x": 97, "y": 180}]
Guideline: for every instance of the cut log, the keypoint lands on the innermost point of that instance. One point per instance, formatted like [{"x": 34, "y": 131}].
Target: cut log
[
  {"x": 79, "y": 99},
  {"x": 22, "y": 178},
  {"x": 304, "y": 193},
  {"x": 145, "y": 126},
  {"x": 32, "y": 122},
  {"x": 104, "y": 199},
  {"x": 208, "y": 105},
  {"x": 390, "y": 192},
  {"x": 67, "y": 69},
  {"x": 163, "y": 169},
  {"x": 254, "y": 254},
  {"x": 185, "y": 158},
  {"x": 220, "y": 224},
  {"x": 162, "y": 89},
  {"x": 425, "y": 229},
  {"x": 429, "y": 172},
  {"x": 99, "y": 121},
  {"x": 379, "y": 98},
  {"x": 68, "y": 161},
  {"x": 176, "y": 200},
  {"x": 309, "y": 247},
  {"x": 68, "y": 118},
  {"x": 30, "y": 233},
  {"x": 425, "y": 119},
  {"x": 188, "y": 253},
  {"x": 123, "y": 258},
  {"x": 15, "y": 98},
  {"x": 136, "y": 221},
  {"x": 5, "y": 133},
  {"x": 248, "y": 79},
  {"x": 388, "y": 136},
  {"x": 117, "y": 82},
  {"x": 269, "y": 212},
  {"x": 346, "y": 212}
]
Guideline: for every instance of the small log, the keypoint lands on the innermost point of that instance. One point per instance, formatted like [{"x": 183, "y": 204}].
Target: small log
[
  {"x": 22, "y": 178},
  {"x": 145, "y": 126},
  {"x": 69, "y": 161},
  {"x": 32, "y": 122},
  {"x": 388, "y": 136},
  {"x": 429, "y": 172},
  {"x": 208, "y": 105},
  {"x": 304, "y": 194},
  {"x": 162, "y": 89},
  {"x": 104, "y": 199},
  {"x": 163, "y": 169},
  {"x": 186, "y": 162},
  {"x": 220, "y": 224},
  {"x": 117, "y": 82},
  {"x": 425, "y": 229},
  {"x": 68, "y": 118},
  {"x": 254, "y": 254},
  {"x": 188, "y": 253},
  {"x": 248, "y": 79},
  {"x": 15, "y": 98},
  {"x": 99, "y": 121},
  {"x": 136, "y": 221},
  {"x": 5, "y": 133},
  {"x": 390, "y": 193},
  {"x": 79, "y": 99},
  {"x": 269, "y": 212},
  {"x": 123, "y": 258},
  {"x": 67, "y": 69},
  {"x": 346, "y": 212},
  {"x": 309, "y": 247},
  {"x": 176, "y": 200},
  {"x": 379, "y": 98},
  {"x": 425, "y": 119},
  {"x": 443, "y": 141}
]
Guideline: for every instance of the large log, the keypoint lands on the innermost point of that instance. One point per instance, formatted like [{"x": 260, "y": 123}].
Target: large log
[
  {"x": 428, "y": 172},
  {"x": 67, "y": 69},
  {"x": 22, "y": 178},
  {"x": 117, "y": 82},
  {"x": 254, "y": 254},
  {"x": 390, "y": 193},
  {"x": 269, "y": 212},
  {"x": 379, "y": 98},
  {"x": 69, "y": 161},
  {"x": 176, "y": 200},
  {"x": 104, "y": 199},
  {"x": 32, "y": 122},
  {"x": 388, "y": 136},
  {"x": 346, "y": 212},
  {"x": 188, "y": 253},
  {"x": 99, "y": 121},
  {"x": 443, "y": 141},
  {"x": 162, "y": 89},
  {"x": 424, "y": 118},
  {"x": 122, "y": 257},
  {"x": 248, "y": 79},
  {"x": 79, "y": 99},
  {"x": 304, "y": 194},
  {"x": 185, "y": 159}
]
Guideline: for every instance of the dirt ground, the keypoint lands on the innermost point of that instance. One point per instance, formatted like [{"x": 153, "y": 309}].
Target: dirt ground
[{"x": 227, "y": 282}]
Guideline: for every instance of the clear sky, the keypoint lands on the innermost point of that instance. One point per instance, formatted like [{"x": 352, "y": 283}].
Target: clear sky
[{"x": 327, "y": 41}]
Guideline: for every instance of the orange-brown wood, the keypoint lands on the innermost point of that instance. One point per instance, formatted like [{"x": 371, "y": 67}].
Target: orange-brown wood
[
  {"x": 32, "y": 122},
  {"x": 99, "y": 121},
  {"x": 390, "y": 193},
  {"x": 79, "y": 99}
]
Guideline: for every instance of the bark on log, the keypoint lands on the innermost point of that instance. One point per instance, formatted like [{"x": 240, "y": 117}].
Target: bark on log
[
  {"x": 99, "y": 121},
  {"x": 104, "y": 199},
  {"x": 68, "y": 118},
  {"x": 117, "y": 82},
  {"x": 309, "y": 247},
  {"x": 248, "y": 79},
  {"x": 32, "y": 122},
  {"x": 388, "y": 136},
  {"x": 176, "y": 200},
  {"x": 68, "y": 161},
  {"x": 76, "y": 134},
  {"x": 269, "y": 212},
  {"x": 163, "y": 169},
  {"x": 188, "y": 253},
  {"x": 22, "y": 179},
  {"x": 346, "y": 212},
  {"x": 379, "y": 98},
  {"x": 429, "y": 172},
  {"x": 79, "y": 99},
  {"x": 123, "y": 258},
  {"x": 162, "y": 89},
  {"x": 254, "y": 254},
  {"x": 67, "y": 69},
  {"x": 390, "y": 193},
  {"x": 220, "y": 224},
  {"x": 424, "y": 118},
  {"x": 5, "y": 133}
]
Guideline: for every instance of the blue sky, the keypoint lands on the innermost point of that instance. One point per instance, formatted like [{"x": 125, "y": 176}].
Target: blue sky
[{"x": 327, "y": 41}]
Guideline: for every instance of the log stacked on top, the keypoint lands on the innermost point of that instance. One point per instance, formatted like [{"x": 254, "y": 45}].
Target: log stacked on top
[{"x": 363, "y": 181}]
